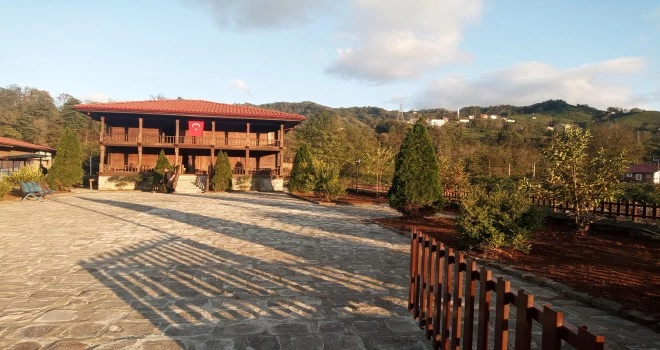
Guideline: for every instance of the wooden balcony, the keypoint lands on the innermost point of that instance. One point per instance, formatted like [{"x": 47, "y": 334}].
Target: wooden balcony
[
  {"x": 123, "y": 169},
  {"x": 189, "y": 142}
]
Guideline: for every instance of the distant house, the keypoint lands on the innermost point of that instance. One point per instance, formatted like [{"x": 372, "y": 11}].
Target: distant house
[
  {"x": 509, "y": 120},
  {"x": 470, "y": 117},
  {"x": 438, "y": 122},
  {"x": 493, "y": 116},
  {"x": 462, "y": 120},
  {"x": 15, "y": 154},
  {"x": 643, "y": 173},
  {"x": 483, "y": 116},
  {"x": 551, "y": 128}
]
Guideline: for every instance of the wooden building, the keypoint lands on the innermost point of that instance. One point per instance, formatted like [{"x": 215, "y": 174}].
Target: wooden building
[
  {"x": 192, "y": 133},
  {"x": 15, "y": 154}
]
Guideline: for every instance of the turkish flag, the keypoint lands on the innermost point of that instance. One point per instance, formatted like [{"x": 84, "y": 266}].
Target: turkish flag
[{"x": 195, "y": 128}]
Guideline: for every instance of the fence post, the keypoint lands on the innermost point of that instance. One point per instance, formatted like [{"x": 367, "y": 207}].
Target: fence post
[
  {"x": 437, "y": 295},
  {"x": 446, "y": 298},
  {"x": 502, "y": 314},
  {"x": 431, "y": 277},
  {"x": 484, "y": 308},
  {"x": 551, "y": 323},
  {"x": 469, "y": 297},
  {"x": 423, "y": 282},
  {"x": 413, "y": 269},
  {"x": 459, "y": 268},
  {"x": 524, "y": 306}
]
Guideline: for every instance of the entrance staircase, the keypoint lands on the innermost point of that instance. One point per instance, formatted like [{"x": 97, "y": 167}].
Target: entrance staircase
[{"x": 190, "y": 183}]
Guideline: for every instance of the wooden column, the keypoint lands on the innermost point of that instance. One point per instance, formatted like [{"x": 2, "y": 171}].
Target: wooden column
[
  {"x": 247, "y": 136},
  {"x": 247, "y": 160},
  {"x": 102, "y": 129},
  {"x": 139, "y": 158},
  {"x": 176, "y": 133},
  {"x": 212, "y": 156},
  {"x": 281, "y": 135},
  {"x": 212, "y": 134},
  {"x": 140, "y": 120},
  {"x": 101, "y": 158},
  {"x": 176, "y": 156}
]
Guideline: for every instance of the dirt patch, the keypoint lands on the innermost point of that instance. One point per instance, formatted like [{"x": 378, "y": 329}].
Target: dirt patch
[{"x": 616, "y": 267}]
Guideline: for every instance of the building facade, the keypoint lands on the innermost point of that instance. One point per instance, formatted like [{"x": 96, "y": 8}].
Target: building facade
[
  {"x": 191, "y": 133},
  {"x": 15, "y": 154}
]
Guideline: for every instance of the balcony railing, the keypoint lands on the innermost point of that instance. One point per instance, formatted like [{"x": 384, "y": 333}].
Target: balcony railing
[
  {"x": 264, "y": 172},
  {"x": 111, "y": 168},
  {"x": 191, "y": 140}
]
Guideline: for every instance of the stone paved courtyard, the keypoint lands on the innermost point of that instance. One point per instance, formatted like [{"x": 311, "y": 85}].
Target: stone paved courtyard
[{"x": 232, "y": 271}]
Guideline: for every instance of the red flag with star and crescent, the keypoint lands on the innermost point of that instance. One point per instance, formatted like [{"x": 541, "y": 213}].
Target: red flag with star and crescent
[{"x": 195, "y": 128}]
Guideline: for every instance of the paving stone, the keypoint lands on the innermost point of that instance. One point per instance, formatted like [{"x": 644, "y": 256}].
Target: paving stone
[{"x": 113, "y": 270}]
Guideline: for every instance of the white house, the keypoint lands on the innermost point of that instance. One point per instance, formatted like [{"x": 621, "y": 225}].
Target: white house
[
  {"x": 464, "y": 120},
  {"x": 493, "y": 116},
  {"x": 438, "y": 122}
]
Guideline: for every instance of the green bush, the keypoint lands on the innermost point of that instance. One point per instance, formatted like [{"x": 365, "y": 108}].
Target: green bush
[
  {"x": 416, "y": 190},
  {"x": 67, "y": 168},
  {"x": 5, "y": 187},
  {"x": 122, "y": 181},
  {"x": 244, "y": 183},
  {"x": 221, "y": 180},
  {"x": 327, "y": 182},
  {"x": 162, "y": 164},
  {"x": 24, "y": 174},
  {"x": 302, "y": 172},
  {"x": 500, "y": 218},
  {"x": 647, "y": 193}
]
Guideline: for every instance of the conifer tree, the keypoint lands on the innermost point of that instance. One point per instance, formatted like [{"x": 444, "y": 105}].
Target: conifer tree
[
  {"x": 221, "y": 180},
  {"x": 302, "y": 172},
  {"x": 161, "y": 165},
  {"x": 416, "y": 190},
  {"x": 67, "y": 165}
]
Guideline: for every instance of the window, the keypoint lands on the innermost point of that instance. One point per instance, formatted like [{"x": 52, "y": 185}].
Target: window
[
  {"x": 638, "y": 177},
  {"x": 628, "y": 174}
]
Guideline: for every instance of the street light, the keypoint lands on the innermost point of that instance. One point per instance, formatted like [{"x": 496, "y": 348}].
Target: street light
[{"x": 357, "y": 174}]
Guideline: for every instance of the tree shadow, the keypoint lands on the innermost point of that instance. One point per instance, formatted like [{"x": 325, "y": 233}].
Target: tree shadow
[{"x": 256, "y": 284}]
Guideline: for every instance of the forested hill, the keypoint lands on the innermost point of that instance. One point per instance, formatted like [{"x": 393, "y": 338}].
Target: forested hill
[{"x": 549, "y": 112}]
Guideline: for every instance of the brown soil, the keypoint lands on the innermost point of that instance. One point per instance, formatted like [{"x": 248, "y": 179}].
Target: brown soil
[{"x": 621, "y": 268}]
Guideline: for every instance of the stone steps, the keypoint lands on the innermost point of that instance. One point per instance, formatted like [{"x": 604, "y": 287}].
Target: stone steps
[{"x": 187, "y": 184}]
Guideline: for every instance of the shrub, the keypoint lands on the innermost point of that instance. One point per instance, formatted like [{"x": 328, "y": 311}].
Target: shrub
[
  {"x": 502, "y": 217},
  {"x": 5, "y": 187},
  {"x": 221, "y": 180},
  {"x": 647, "y": 193},
  {"x": 67, "y": 168},
  {"x": 302, "y": 172},
  {"x": 24, "y": 174},
  {"x": 162, "y": 163},
  {"x": 327, "y": 182},
  {"x": 122, "y": 181},
  {"x": 244, "y": 183},
  {"x": 416, "y": 189}
]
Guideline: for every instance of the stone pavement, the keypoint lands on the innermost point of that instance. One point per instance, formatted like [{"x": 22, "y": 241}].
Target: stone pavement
[{"x": 137, "y": 270}]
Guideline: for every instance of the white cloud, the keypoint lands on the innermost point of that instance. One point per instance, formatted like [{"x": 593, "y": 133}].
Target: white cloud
[
  {"x": 595, "y": 84},
  {"x": 402, "y": 39},
  {"x": 259, "y": 14},
  {"x": 241, "y": 86}
]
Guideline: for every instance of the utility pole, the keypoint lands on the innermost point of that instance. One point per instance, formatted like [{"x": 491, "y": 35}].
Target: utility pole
[
  {"x": 534, "y": 169},
  {"x": 509, "y": 169}
]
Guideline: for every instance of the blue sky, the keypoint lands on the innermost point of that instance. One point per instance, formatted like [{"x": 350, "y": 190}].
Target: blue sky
[{"x": 420, "y": 53}]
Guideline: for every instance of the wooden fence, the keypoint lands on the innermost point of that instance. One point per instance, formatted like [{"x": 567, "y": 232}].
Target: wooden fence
[
  {"x": 443, "y": 293},
  {"x": 630, "y": 209}
]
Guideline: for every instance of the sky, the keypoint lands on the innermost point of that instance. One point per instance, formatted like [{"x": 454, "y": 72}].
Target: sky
[{"x": 340, "y": 53}]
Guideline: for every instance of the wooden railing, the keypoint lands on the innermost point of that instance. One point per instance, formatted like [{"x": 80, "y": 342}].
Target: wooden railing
[
  {"x": 120, "y": 168},
  {"x": 443, "y": 298},
  {"x": 191, "y": 140},
  {"x": 626, "y": 208}
]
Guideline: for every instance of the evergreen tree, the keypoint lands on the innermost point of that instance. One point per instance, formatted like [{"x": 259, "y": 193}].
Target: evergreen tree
[
  {"x": 161, "y": 165},
  {"x": 416, "y": 190},
  {"x": 302, "y": 172},
  {"x": 67, "y": 165},
  {"x": 221, "y": 180}
]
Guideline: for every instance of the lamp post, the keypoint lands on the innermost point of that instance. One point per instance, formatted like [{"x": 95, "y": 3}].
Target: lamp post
[{"x": 357, "y": 174}]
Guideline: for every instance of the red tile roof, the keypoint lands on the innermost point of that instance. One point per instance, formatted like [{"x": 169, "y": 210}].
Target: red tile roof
[
  {"x": 5, "y": 141},
  {"x": 188, "y": 107},
  {"x": 643, "y": 169}
]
